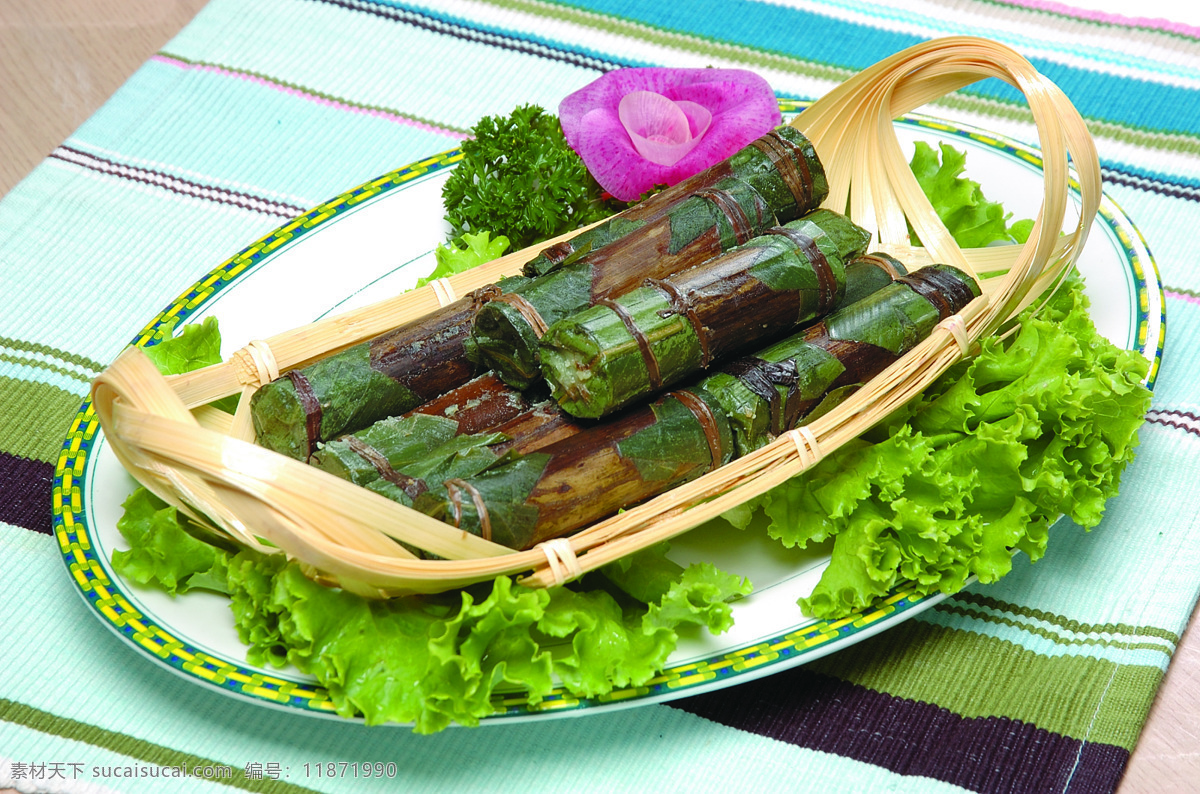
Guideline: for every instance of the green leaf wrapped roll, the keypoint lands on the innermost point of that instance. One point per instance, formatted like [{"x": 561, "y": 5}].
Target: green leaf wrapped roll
[
  {"x": 802, "y": 377},
  {"x": 386, "y": 376},
  {"x": 396, "y": 456},
  {"x": 507, "y": 329},
  {"x": 630, "y": 458},
  {"x": 781, "y": 166},
  {"x": 617, "y": 350},
  {"x": 528, "y": 419},
  {"x": 460, "y": 433},
  {"x": 482, "y": 404}
]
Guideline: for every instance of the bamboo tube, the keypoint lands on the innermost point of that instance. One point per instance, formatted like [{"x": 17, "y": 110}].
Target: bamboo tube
[
  {"x": 781, "y": 166},
  {"x": 607, "y": 356},
  {"x": 507, "y": 329}
]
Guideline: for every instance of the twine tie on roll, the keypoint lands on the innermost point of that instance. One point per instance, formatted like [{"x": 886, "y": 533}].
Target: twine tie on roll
[{"x": 560, "y": 555}]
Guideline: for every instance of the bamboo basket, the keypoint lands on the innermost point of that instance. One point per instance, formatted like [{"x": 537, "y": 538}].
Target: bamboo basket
[{"x": 204, "y": 462}]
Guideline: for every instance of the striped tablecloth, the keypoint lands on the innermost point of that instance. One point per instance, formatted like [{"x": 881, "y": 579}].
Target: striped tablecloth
[{"x": 260, "y": 109}]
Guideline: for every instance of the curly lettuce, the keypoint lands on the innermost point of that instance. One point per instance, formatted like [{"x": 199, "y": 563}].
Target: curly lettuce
[
  {"x": 1036, "y": 426},
  {"x": 475, "y": 249},
  {"x": 974, "y": 221}
]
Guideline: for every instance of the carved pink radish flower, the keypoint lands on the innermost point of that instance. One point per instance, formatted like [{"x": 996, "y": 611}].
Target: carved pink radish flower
[{"x": 637, "y": 128}]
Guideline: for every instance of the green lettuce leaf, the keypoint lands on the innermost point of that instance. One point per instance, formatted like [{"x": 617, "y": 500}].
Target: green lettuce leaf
[
  {"x": 476, "y": 249},
  {"x": 162, "y": 552},
  {"x": 197, "y": 345},
  {"x": 440, "y": 659},
  {"x": 973, "y": 221},
  {"x": 1034, "y": 427}
]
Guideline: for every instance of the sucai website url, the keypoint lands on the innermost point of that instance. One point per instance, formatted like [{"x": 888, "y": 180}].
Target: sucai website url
[{"x": 76, "y": 771}]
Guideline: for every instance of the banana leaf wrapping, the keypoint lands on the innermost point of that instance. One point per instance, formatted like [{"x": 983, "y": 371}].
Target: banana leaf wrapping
[
  {"x": 527, "y": 419},
  {"x": 617, "y": 350},
  {"x": 459, "y": 434},
  {"x": 645, "y": 450},
  {"x": 396, "y": 456},
  {"x": 632, "y": 457},
  {"x": 507, "y": 328},
  {"x": 802, "y": 377},
  {"x": 385, "y": 376},
  {"x": 781, "y": 166}
]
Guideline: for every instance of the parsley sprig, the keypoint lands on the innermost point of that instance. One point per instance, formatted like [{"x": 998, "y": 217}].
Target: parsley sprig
[{"x": 519, "y": 178}]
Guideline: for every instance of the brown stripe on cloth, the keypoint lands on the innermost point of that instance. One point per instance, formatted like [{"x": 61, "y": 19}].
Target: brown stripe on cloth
[
  {"x": 27, "y": 494},
  {"x": 984, "y": 754}
]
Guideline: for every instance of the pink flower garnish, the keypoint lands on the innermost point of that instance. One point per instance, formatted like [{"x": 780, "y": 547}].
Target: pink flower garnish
[
  {"x": 662, "y": 130},
  {"x": 637, "y": 128}
]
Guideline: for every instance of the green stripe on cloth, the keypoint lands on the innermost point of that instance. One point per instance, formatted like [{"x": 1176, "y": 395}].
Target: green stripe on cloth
[
  {"x": 1088, "y": 699},
  {"x": 1064, "y": 622},
  {"x": 34, "y": 418},
  {"x": 83, "y": 362},
  {"x": 46, "y": 722},
  {"x": 8, "y": 358},
  {"x": 675, "y": 40},
  {"x": 1056, "y": 638}
]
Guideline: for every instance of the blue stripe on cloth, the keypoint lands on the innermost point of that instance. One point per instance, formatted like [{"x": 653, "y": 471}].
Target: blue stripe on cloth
[
  {"x": 150, "y": 241},
  {"x": 492, "y": 36},
  {"x": 1176, "y": 383},
  {"x": 45, "y": 372},
  {"x": 1173, "y": 185},
  {"x": 1063, "y": 46},
  {"x": 77, "y": 766},
  {"x": 1134, "y": 103}
]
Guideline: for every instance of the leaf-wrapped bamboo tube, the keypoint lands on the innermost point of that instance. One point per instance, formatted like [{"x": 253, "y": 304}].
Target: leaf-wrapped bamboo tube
[
  {"x": 636, "y": 455},
  {"x": 646, "y": 450},
  {"x": 386, "y": 376},
  {"x": 617, "y": 350},
  {"x": 527, "y": 419},
  {"x": 804, "y": 376},
  {"x": 482, "y": 403},
  {"x": 461, "y": 433},
  {"x": 404, "y": 451},
  {"x": 507, "y": 329},
  {"x": 781, "y": 166}
]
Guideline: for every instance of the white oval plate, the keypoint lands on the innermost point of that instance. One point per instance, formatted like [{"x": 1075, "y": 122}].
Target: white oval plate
[{"x": 377, "y": 240}]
